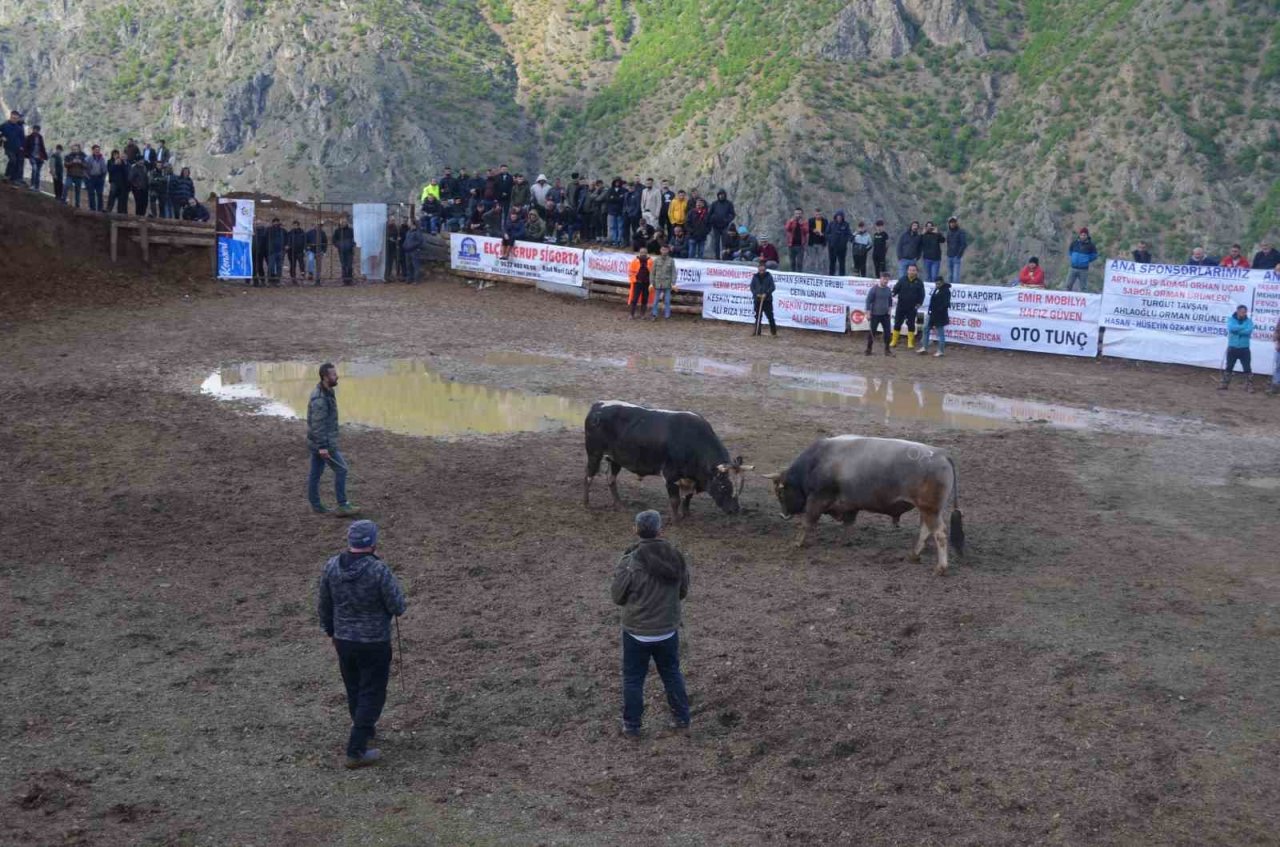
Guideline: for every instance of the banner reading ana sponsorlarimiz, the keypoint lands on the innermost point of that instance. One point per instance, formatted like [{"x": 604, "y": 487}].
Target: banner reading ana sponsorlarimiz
[
  {"x": 545, "y": 262},
  {"x": 235, "y": 238},
  {"x": 1178, "y": 313}
]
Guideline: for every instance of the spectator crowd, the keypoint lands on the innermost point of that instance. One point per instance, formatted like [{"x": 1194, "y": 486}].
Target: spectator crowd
[{"x": 106, "y": 183}]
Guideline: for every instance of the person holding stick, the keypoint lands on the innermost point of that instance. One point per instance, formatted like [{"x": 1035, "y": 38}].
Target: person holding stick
[
  {"x": 762, "y": 288},
  {"x": 357, "y": 597},
  {"x": 322, "y": 439}
]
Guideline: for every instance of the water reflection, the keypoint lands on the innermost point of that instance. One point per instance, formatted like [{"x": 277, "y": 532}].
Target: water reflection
[{"x": 404, "y": 396}]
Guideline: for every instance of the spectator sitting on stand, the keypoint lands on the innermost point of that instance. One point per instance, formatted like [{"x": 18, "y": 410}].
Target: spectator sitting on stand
[{"x": 1031, "y": 275}]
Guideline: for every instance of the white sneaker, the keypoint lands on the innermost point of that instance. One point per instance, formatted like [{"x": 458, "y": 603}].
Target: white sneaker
[{"x": 938, "y": 355}]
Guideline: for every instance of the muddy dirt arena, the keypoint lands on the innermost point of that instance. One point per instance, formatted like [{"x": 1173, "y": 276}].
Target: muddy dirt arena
[{"x": 1100, "y": 669}]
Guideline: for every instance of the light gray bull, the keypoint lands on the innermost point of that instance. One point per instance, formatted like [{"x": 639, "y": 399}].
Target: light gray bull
[{"x": 847, "y": 474}]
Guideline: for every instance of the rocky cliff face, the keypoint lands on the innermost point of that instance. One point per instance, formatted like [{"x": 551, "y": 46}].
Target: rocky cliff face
[{"x": 1147, "y": 119}]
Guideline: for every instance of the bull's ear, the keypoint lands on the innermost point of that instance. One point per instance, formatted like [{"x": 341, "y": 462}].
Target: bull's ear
[{"x": 722, "y": 468}]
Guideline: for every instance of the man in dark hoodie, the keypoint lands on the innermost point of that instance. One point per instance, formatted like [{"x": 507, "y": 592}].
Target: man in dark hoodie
[
  {"x": 295, "y": 244},
  {"x": 762, "y": 288},
  {"x": 650, "y": 581},
  {"x": 880, "y": 249},
  {"x": 322, "y": 441},
  {"x": 720, "y": 216},
  {"x": 356, "y": 599},
  {"x": 909, "y": 248},
  {"x": 275, "y": 251},
  {"x": 344, "y": 238},
  {"x": 957, "y": 243},
  {"x": 838, "y": 239}
]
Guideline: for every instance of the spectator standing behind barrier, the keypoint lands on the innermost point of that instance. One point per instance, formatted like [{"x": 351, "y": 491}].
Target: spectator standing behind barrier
[
  {"x": 721, "y": 216},
  {"x": 838, "y": 244},
  {"x": 614, "y": 202},
  {"x": 631, "y": 213},
  {"x": 322, "y": 441},
  {"x": 96, "y": 177},
  {"x": 258, "y": 252},
  {"x": 1031, "y": 275},
  {"x": 957, "y": 243},
  {"x": 697, "y": 227},
  {"x": 158, "y": 189},
  {"x": 275, "y": 252},
  {"x": 391, "y": 247},
  {"x": 317, "y": 246},
  {"x": 57, "y": 170},
  {"x": 937, "y": 317},
  {"x": 860, "y": 247},
  {"x": 819, "y": 226},
  {"x": 879, "y": 304},
  {"x": 1141, "y": 254},
  {"x": 15, "y": 140},
  {"x": 678, "y": 214},
  {"x": 1201, "y": 259},
  {"x": 649, "y": 583},
  {"x": 1081, "y": 253},
  {"x": 295, "y": 245},
  {"x": 181, "y": 189},
  {"x": 1233, "y": 259},
  {"x": 344, "y": 239},
  {"x": 139, "y": 186},
  {"x": 33, "y": 150},
  {"x": 640, "y": 275},
  {"x": 76, "y": 165},
  {"x": 1267, "y": 258},
  {"x": 521, "y": 191},
  {"x": 909, "y": 248},
  {"x": 797, "y": 232},
  {"x": 880, "y": 249},
  {"x": 411, "y": 251},
  {"x": 931, "y": 242},
  {"x": 117, "y": 183},
  {"x": 1239, "y": 331},
  {"x": 651, "y": 204},
  {"x": 355, "y": 601},
  {"x": 762, "y": 289},
  {"x": 663, "y": 276},
  {"x": 909, "y": 292}
]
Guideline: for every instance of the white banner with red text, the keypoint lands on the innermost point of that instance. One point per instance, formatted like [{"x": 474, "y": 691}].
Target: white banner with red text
[
  {"x": 537, "y": 262},
  {"x": 800, "y": 301},
  {"x": 1178, "y": 313},
  {"x": 1034, "y": 320}
]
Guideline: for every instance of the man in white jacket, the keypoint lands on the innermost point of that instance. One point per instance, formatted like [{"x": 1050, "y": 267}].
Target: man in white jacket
[{"x": 651, "y": 203}]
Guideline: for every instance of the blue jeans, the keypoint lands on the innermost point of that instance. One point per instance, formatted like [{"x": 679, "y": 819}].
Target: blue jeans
[
  {"x": 953, "y": 269},
  {"x": 318, "y": 465},
  {"x": 662, "y": 295},
  {"x": 36, "y": 167},
  {"x": 365, "y": 667},
  {"x": 635, "y": 667},
  {"x": 924, "y": 335},
  {"x": 615, "y": 229},
  {"x": 931, "y": 268},
  {"x": 77, "y": 182},
  {"x": 96, "y": 184},
  {"x": 696, "y": 247},
  {"x": 275, "y": 265},
  {"x": 902, "y": 266}
]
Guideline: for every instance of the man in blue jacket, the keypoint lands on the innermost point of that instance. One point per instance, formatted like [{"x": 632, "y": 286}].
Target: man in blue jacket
[
  {"x": 1081, "y": 253},
  {"x": 356, "y": 599},
  {"x": 15, "y": 138},
  {"x": 1239, "y": 331}
]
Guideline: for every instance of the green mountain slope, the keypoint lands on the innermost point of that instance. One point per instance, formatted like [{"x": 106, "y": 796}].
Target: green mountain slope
[{"x": 1153, "y": 119}]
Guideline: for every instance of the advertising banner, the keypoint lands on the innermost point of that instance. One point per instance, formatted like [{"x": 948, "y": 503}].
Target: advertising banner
[
  {"x": 545, "y": 262},
  {"x": 235, "y": 238},
  {"x": 608, "y": 265},
  {"x": 800, "y": 301},
  {"x": 1033, "y": 320},
  {"x": 1178, "y": 313},
  {"x": 369, "y": 220}
]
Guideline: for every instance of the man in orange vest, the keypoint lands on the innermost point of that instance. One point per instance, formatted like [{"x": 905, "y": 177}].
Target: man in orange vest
[{"x": 640, "y": 272}]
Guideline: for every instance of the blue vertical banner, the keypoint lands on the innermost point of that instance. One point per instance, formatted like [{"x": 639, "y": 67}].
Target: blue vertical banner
[{"x": 235, "y": 238}]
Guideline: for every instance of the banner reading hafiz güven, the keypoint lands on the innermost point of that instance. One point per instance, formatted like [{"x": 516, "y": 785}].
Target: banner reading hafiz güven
[
  {"x": 545, "y": 262},
  {"x": 235, "y": 238},
  {"x": 1034, "y": 320}
]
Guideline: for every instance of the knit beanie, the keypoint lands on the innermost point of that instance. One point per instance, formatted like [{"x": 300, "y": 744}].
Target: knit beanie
[
  {"x": 362, "y": 535},
  {"x": 648, "y": 523}
]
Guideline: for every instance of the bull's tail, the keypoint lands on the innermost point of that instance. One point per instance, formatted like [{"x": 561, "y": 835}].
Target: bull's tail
[{"x": 956, "y": 533}]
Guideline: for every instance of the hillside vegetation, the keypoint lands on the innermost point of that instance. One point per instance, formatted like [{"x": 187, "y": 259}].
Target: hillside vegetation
[{"x": 1151, "y": 119}]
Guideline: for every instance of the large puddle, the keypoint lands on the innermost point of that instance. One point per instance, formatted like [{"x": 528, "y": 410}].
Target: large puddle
[
  {"x": 408, "y": 396},
  {"x": 404, "y": 396}
]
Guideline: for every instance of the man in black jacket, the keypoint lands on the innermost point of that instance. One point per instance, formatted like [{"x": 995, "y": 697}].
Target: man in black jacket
[
  {"x": 449, "y": 190},
  {"x": 880, "y": 249},
  {"x": 344, "y": 238},
  {"x": 649, "y": 583},
  {"x": 317, "y": 246},
  {"x": 1266, "y": 259},
  {"x": 720, "y": 216},
  {"x": 909, "y": 248},
  {"x": 957, "y": 243},
  {"x": 837, "y": 244},
  {"x": 1141, "y": 254},
  {"x": 390, "y": 249},
  {"x": 259, "y": 249},
  {"x": 762, "y": 288},
  {"x": 909, "y": 292},
  {"x": 275, "y": 252},
  {"x": 295, "y": 245}
]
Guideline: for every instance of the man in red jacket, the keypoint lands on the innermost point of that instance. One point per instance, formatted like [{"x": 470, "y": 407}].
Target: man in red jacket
[
  {"x": 1233, "y": 259},
  {"x": 797, "y": 239}
]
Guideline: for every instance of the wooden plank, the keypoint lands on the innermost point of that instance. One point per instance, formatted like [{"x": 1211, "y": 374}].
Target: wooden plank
[
  {"x": 177, "y": 240},
  {"x": 115, "y": 237},
  {"x": 146, "y": 246}
]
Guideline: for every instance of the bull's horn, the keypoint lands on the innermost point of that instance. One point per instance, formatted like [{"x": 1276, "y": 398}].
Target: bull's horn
[
  {"x": 772, "y": 477},
  {"x": 746, "y": 467}
]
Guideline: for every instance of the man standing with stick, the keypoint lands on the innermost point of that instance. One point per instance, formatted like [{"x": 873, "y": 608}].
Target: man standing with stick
[
  {"x": 322, "y": 439},
  {"x": 762, "y": 293},
  {"x": 357, "y": 598}
]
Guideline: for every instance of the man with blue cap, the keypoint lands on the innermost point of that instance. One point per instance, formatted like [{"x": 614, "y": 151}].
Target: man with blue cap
[{"x": 357, "y": 597}]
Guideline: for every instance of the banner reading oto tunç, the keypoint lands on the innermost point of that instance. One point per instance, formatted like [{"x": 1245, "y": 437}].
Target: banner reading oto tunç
[{"x": 1030, "y": 319}]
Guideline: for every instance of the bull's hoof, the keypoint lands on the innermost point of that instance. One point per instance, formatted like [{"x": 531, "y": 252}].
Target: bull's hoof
[
  {"x": 913, "y": 558},
  {"x": 940, "y": 570}
]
